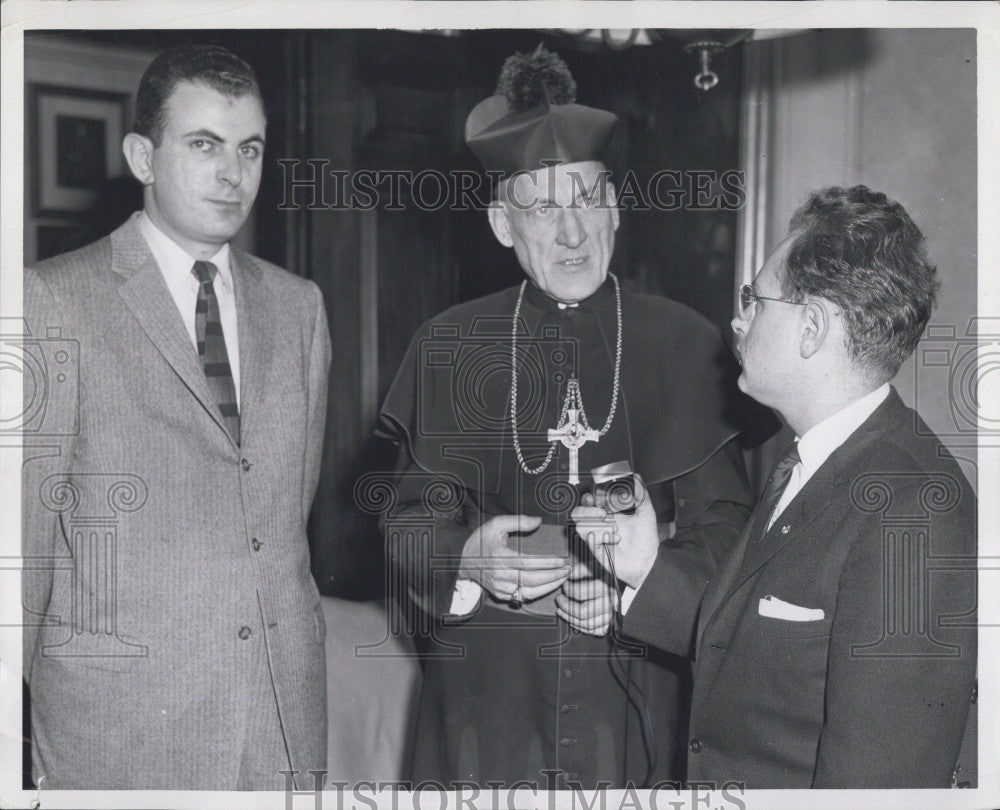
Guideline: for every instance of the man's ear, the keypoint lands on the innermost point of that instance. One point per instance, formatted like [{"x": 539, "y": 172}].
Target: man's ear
[
  {"x": 500, "y": 224},
  {"x": 816, "y": 324},
  {"x": 138, "y": 151}
]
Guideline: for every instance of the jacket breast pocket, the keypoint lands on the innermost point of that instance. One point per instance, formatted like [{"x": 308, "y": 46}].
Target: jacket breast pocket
[
  {"x": 786, "y": 629},
  {"x": 789, "y": 662}
]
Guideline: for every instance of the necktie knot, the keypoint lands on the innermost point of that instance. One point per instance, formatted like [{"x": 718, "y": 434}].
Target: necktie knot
[
  {"x": 783, "y": 469},
  {"x": 205, "y": 272}
]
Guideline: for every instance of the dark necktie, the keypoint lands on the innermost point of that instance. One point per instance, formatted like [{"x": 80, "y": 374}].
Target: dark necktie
[
  {"x": 772, "y": 490},
  {"x": 212, "y": 348}
]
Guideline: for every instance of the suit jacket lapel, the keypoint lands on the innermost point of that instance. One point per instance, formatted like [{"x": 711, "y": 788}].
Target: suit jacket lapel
[
  {"x": 721, "y": 584},
  {"x": 824, "y": 488},
  {"x": 254, "y": 326},
  {"x": 145, "y": 293},
  {"x": 749, "y": 557},
  {"x": 805, "y": 509}
]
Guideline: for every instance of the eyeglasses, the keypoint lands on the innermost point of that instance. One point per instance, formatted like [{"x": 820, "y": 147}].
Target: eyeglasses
[{"x": 748, "y": 299}]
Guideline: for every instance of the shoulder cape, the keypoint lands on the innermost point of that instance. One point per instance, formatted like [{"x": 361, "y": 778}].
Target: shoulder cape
[{"x": 678, "y": 385}]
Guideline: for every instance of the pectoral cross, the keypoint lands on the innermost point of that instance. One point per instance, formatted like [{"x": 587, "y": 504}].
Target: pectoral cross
[{"x": 573, "y": 435}]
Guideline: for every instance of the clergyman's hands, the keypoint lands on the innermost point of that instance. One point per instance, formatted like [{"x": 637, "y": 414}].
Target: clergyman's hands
[
  {"x": 631, "y": 539},
  {"x": 501, "y": 570},
  {"x": 585, "y": 602}
]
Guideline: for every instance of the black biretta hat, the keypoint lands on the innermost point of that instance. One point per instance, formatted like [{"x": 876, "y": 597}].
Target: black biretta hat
[{"x": 533, "y": 120}]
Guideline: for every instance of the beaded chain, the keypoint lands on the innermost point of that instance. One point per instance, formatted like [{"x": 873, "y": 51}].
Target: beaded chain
[{"x": 573, "y": 398}]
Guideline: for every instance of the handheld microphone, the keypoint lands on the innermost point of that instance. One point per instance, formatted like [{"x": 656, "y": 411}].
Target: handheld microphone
[{"x": 614, "y": 487}]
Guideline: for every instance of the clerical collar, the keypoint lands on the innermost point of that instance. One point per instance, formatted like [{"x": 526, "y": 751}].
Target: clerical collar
[{"x": 602, "y": 296}]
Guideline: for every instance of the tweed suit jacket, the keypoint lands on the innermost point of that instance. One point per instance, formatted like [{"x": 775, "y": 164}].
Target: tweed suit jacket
[
  {"x": 161, "y": 559},
  {"x": 875, "y": 690}
]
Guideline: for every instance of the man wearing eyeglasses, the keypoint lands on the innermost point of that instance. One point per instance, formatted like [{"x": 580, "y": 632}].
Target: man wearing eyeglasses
[{"x": 827, "y": 655}]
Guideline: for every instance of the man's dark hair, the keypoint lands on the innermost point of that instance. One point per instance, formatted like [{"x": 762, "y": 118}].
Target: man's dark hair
[
  {"x": 211, "y": 65},
  {"x": 860, "y": 250}
]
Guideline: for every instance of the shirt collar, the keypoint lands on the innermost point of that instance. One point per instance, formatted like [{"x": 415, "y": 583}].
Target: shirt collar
[
  {"x": 174, "y": 261},
  {"x": 821, "y": 440}
]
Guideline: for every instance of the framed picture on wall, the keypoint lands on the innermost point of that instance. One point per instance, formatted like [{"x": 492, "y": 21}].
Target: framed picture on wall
[{"x": 77, "y": 146}]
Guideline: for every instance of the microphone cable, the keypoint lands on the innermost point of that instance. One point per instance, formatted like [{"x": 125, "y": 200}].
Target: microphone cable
[{"x": 624, "y": 679}]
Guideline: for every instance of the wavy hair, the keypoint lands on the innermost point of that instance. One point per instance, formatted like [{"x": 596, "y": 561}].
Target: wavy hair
[
  {"x": 211, "y": 65},
  {"x": 860, "y": 250}
]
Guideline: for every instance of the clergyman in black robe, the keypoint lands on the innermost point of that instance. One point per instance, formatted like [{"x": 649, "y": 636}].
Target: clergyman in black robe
[{"x": 525, "y": 677}]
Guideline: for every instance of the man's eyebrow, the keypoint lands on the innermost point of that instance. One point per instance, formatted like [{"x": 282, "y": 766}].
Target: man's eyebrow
[
  {"x": 204, "y": 133},
  {"x": 208, "y": 134}
]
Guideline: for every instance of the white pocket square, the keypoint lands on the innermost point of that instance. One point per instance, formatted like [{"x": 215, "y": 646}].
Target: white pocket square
[{"x": 776, "y": 608}]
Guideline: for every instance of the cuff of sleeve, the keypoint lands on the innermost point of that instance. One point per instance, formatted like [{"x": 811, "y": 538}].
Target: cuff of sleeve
[
  {"x": 628, "y": 595},
  {"x": 466, "y": 597}
]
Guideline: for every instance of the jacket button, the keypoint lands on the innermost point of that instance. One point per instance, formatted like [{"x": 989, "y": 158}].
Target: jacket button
[
  {"x": 567, "y": 673},
  {"x": 245, "y": 633},
  {"x": 567, "y": 708},
  {"x": 566, "y": 742},
  {"x": 256, "y": 544},
  {"x": 695, "y": 745},
  {"x": 246, "y": 465}
]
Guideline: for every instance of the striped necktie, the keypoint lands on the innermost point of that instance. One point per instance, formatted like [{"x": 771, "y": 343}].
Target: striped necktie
[{"x": 212, "y": 348}]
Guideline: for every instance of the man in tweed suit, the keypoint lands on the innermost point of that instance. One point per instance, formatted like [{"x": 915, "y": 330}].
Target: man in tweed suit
[{"x": 173, "y": 632}]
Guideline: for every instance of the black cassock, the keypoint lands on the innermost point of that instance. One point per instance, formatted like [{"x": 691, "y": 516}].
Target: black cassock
[{"x": 514, "y": 695}]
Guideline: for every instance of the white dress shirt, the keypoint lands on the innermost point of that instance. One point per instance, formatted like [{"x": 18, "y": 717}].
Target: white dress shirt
[
  {"x": 821, "y": 440},
  {"x": 175, "y": 264},
  {"x": 815, "y": 447}
]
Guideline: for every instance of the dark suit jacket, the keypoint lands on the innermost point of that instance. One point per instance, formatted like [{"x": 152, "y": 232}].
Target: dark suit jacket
[
  {"x": 882, "y": 539},
  {"x": 164, "y": 563}
]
